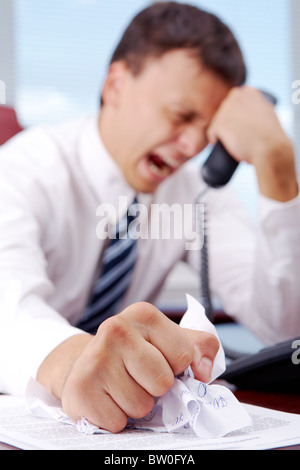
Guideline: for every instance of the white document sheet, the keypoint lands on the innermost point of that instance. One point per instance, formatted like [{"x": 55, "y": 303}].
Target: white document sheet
[{"x": 19, "y": 428}]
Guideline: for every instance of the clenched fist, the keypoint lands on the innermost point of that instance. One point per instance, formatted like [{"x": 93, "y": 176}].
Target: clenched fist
[{"x": 133, "y": 358}]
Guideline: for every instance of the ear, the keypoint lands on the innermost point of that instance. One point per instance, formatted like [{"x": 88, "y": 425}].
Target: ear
[{"x": 114, "y": 83}]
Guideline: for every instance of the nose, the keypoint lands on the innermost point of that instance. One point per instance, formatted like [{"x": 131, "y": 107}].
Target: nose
[{"x": 191, "y": 140}]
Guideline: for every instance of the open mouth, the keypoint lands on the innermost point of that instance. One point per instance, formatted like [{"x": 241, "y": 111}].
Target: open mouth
[{"x": 161, "y": 166}]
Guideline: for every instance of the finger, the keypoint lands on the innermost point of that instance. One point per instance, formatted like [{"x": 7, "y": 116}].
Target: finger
[
  {"x": 84, "y": 398},
  {"x": 101, "y": 390},
  {"x": 206, "y": 346},
  {"x": 132, "y": 398},
  {"x": 125, "y": 351},
  {"x": 105, "y": 413},
  {"x": 167, "y": 337},
  {"x": 126, "y": 336},
  {"x": 148, "y": 366}
]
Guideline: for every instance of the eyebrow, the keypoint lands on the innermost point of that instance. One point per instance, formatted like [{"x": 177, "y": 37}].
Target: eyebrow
[
  {"x": 186, "y": 112},
  {"x": 179, "y": 107}
]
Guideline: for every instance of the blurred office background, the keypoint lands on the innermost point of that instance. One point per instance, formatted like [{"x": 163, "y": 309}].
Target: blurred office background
[{"x": 54, "y": 56}]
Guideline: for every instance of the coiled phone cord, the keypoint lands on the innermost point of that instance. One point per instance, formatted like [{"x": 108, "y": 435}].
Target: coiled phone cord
[
  {"x": 202, "y": 220},
  {"x": 205, "y": 293}
]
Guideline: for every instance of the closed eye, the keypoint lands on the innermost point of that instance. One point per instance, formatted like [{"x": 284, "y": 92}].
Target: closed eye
[{"x": 184, "y": 118}]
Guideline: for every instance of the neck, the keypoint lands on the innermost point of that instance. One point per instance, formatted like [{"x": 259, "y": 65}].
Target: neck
[{"x": 107, "y": 132}]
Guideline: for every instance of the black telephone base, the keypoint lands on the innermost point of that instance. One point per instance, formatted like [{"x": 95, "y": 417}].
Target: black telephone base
[{"x": 273, "y": 369}]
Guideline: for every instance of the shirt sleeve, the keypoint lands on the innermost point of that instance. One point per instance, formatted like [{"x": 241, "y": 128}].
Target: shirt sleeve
[
  {"x": 29, "y": 327},
  {"x": 254, "y": 267},
  {"x": 277, "y": 269}
]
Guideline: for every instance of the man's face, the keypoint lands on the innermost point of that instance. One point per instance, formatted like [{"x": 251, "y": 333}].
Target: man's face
[{"x": 154, "y": 122}]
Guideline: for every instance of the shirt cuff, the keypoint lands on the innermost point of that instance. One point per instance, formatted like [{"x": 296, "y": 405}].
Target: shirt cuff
[
  {"x": 280, "y": 223},
  {"x": 27, "y": 340},
  {"x": 268, "y": 206}
]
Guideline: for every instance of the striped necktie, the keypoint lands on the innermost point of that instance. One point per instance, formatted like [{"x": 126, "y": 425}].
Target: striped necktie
[{"x": 117, "y": 267}]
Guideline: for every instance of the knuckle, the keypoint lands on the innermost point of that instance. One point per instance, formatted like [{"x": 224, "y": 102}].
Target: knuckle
[
  {"x": 114, "y": 328},
  {"x": 142, "y": 315},
  {"x": 147, "y": 313},
  {"x": 214, "y": 344},
  {"x": 210, "y": 345}
]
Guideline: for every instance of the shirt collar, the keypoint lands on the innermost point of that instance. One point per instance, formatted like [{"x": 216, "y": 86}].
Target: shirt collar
[{"x": 104, "y": 176}]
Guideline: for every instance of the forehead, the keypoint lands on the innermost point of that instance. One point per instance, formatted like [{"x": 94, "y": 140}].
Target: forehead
[{"x": 179, "y": 79}]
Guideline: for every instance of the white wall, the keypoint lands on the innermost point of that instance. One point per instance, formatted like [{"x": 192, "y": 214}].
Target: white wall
[
  {"x": 7, "y": 65},
  {"x": 295, "y": 54}
]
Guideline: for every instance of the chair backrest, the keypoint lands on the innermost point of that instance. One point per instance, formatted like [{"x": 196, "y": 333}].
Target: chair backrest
[{"x": 9, "y": 125}]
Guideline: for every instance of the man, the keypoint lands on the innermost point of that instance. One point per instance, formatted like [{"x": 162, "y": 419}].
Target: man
[{"x": 174, "y": 85}]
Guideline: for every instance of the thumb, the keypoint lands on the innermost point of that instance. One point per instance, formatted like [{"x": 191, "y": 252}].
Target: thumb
[{"x": 205, "y": 347}]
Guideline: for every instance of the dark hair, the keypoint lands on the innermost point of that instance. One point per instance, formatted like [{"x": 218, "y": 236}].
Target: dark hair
[{"x": 167, "y": 26}]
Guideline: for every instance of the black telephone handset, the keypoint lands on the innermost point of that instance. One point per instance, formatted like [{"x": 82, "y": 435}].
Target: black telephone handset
[
  {"x": 220, "y": 165},
  {"x": 273, "y": 368}
]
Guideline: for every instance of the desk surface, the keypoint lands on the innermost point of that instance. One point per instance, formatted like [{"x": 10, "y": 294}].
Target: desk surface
[{"x": 276, "y": 401}]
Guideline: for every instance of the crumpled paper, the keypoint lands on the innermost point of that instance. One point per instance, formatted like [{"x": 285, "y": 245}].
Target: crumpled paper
[{"x": 190, "y": 406}]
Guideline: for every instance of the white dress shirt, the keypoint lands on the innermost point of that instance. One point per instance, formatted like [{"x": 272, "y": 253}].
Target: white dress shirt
[{"x": 53, "y": 180}]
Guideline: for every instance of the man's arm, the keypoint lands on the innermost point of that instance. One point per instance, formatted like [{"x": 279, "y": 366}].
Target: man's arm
[
  {"x": 255, "y": 270},
  {"x": 117, "y": 373},
  {"x": 248, "y": 127}
]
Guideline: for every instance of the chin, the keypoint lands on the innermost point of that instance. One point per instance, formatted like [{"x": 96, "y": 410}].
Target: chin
[{"x": 141, "y": 186}]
